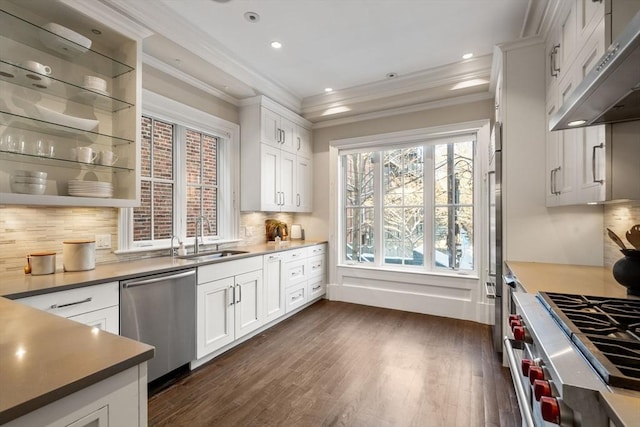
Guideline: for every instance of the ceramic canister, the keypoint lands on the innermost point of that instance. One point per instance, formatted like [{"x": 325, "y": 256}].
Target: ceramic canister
[
  {"x": 42, "y": 263},
  {"x": 79, "y": 255}
]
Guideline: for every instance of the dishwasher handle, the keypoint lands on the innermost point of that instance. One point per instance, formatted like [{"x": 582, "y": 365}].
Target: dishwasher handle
[{"x": 158, "y": 279}]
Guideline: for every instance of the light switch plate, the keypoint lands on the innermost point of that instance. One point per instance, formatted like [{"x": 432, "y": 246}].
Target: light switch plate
[{"x": 103, "y": 241}]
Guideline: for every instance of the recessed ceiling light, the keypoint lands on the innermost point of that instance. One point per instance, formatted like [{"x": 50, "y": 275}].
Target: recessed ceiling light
[
  {"x": 328, "y": 89},
  {"x": 576, "y": 123},
  {"x": 252, "y": 17},
  {"x": 276, "y": 44},
  {"x": 391, "y": 75},
  {"x": 96, "y": 31},
  {"x": 467, "y": 56}
]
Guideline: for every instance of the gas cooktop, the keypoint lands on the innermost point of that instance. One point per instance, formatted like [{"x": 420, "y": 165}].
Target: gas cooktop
[{"x": 606, "y": 330}]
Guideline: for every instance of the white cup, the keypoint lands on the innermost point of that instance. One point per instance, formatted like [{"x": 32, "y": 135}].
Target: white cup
[
  {"x": 85, "y": 154},
  {"x": 108, "y": 158},
  {"x": 37, "y": 73},
  {"x": 94, "y": 83}
]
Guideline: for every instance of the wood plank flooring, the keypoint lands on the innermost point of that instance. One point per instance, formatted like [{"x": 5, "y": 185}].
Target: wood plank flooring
[{"x": 339, "y": 364}]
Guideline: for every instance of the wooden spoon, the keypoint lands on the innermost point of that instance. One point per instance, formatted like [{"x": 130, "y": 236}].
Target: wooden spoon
[
  {"x": 616, "y": 239},
  {"x": 633, "y": 236}
]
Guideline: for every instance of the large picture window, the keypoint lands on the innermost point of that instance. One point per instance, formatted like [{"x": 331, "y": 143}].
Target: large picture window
[{"x": 410, "y": 205}]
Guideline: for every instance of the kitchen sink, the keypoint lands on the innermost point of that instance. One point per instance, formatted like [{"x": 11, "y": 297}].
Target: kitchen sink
[{"x": 206, "y": 256}]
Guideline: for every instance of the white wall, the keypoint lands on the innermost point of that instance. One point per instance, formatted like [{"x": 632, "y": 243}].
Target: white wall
[{"x": 533, "y": 232}]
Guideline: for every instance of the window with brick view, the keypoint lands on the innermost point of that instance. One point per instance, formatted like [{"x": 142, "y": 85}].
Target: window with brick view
[
  {"x": 202, "y": 181},
  {"x": 153, "y": 220}
]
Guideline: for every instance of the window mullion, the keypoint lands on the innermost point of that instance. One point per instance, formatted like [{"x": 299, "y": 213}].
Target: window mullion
[
  {"x": 429, "y": 205},
  {"x": 179, "y": 179},
  {"x": 378, "y": 202}
]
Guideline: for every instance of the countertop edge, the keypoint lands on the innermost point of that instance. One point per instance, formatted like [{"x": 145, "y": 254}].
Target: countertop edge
[
  {"x": 145, "y": 269},
  {"x": 52, "y": 396}
]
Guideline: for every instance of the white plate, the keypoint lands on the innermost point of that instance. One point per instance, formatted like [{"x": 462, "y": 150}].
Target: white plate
[
  {"x": 90, "y": 194},
  {"x": 64, "y": 119}
]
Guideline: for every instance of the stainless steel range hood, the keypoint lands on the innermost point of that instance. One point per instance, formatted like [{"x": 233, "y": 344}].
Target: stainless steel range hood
[{"x": 610, "y": 93}]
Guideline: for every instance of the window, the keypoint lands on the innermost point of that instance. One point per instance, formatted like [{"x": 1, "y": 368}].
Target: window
[
  {"x": 184, "y": 155},
  {"x": 412, "y": 202}
]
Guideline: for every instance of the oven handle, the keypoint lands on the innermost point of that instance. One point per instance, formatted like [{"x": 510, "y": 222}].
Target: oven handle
[{"x": 520, "y": 394}]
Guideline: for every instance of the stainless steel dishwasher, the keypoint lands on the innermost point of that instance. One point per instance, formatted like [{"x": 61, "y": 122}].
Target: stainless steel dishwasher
[{"x": 160, "y": 310}]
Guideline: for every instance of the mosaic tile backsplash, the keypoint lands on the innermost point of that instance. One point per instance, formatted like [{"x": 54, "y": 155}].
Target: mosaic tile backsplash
[
  {"x": 619, "y": 218},
  {"x": 25, "y": 229}
]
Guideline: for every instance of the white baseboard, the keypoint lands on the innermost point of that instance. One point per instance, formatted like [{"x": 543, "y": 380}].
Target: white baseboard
[{"x": 413, "y": 302}]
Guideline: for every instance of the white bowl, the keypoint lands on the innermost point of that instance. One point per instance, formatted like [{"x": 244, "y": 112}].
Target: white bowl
[
  {"x": 36, "y": 189},
  {"x": 64, "y": 40},
  {"x": 65, "y": 120},
  {"x": 27, "y": 180},
  {"x": 34, "y": 174}
]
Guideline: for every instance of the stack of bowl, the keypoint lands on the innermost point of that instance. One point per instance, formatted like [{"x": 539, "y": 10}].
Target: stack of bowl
[{"x": 28, "y": 182}]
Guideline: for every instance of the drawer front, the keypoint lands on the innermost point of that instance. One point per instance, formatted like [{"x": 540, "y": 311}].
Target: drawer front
[
  {"x": 316, "y": 288},
  {"x": 295, "y": 272},
  {"x": 106, "y": 319},
  {"x": 76, "y": 301},
  {"x": 294, "y": 254},
  {"x": 296, "y": 296},
  {"x": 221, "y": 270},
  {"x": 316, "y": 266},
  {"x": 316, "y": 250}
]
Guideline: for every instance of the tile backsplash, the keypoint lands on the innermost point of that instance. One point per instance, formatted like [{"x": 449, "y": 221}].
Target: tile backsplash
[
  {"x": 35, "y": 228},
  {"x": 619, "y": 217},
  {"x": 25, "y": 229}
]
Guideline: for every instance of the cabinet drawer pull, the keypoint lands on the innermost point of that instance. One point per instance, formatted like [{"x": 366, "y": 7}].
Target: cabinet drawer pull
[
  {"x": 296, "y": 296},
  {"x": 54, "y": 306},
  {"x": 316, "y": 288},
  {"x": 593, "y": 163}
]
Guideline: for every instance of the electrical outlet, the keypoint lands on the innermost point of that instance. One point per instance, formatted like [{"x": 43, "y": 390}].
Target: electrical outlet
[{"x": 103, "y": 241}]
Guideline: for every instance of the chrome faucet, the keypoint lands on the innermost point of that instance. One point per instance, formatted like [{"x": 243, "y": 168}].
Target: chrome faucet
[
  {"x": 173, "y": 249},
  {"x": 199, "y": 219}
]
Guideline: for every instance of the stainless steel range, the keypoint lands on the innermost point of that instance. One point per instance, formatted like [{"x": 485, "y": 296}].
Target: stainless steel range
[{"x": 575, "y": 360}]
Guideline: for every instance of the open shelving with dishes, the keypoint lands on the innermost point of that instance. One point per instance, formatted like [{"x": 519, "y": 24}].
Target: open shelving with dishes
[{"x": 68, "y": 106}]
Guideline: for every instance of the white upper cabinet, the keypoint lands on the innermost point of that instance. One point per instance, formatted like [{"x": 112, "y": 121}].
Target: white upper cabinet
[
  {"x": 276, "y": 158},
  {"x": 574, "y": 156},
  {"x": 68, "y": 108}
]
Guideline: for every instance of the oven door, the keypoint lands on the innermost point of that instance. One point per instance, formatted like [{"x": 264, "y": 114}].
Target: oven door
[{"x": 515, "y": 351}]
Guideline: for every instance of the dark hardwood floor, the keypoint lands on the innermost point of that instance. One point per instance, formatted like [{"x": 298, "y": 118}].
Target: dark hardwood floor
[{"x": 339, "y": 364}]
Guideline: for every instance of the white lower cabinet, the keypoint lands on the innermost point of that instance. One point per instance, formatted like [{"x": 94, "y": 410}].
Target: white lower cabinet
[
  {"x": 296, "y": 296},
  {"x": 96, "y": 306},
  {"x": 120, "y": 400},
  {"x": 273, "y": 265},
  {"x": 230, "y": 303},
  {"x": 316, "y": 287}
]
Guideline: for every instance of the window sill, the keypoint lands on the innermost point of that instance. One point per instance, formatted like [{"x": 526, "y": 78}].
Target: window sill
[
  {"x": 156, "y": 248},
  {"x": 466, "y": 275}
]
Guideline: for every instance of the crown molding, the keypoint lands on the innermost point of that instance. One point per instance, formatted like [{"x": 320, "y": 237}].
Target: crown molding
[
  {"x": 451, "y": 74},
  {"x": 110, "y": 17},
  {"x": 448, "y": 102},
  {"x": 163, "y": 21},
  {"x": 172, "y": 71}
]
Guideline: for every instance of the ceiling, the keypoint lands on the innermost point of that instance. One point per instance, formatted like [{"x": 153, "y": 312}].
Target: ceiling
[{"x": 348, "y": 45}]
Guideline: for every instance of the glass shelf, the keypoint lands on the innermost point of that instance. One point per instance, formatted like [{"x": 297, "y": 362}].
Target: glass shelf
[
  {"x": 53, "y": 161},
  {"x": 26, "y": 123},
  {"x": 15, "y": 74},
  {"x": 15, "y": 28}
]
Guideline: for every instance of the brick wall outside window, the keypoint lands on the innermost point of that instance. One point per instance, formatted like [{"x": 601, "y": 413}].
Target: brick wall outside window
[{"x": 154, "y": 218}]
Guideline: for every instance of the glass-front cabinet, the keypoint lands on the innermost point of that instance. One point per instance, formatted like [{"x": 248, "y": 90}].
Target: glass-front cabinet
[{"x": 69, "y": 110}]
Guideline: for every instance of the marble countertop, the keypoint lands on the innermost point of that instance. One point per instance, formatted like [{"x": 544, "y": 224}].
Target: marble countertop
[
  {"x": 563, "y": 278},
  {"x": 44, "y": 358},
  {"x": 20, "y": 285}
]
